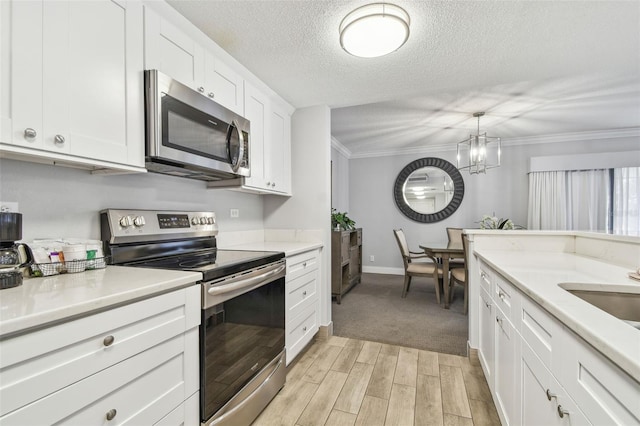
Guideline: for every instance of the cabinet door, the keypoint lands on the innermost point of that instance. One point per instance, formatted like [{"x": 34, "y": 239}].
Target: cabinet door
[
  {"x": 21, "y": 71},
  {"x": 506, "y": 369},
  {"x": 223, "y": 84},
  {"x": 92, "y": 60},
  {"x": 173, "y": 52},
  {"x": 256, "y": 110},
  {"x": 278, "y": 150},
  {"x": 543, "y": 400},
  {"x": 486, "y": 342}
]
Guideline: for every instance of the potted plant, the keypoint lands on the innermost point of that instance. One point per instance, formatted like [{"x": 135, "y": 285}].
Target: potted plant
[{"x": 340, "y": 221}]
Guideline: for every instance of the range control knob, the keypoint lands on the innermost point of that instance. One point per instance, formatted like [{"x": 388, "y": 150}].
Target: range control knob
[
  {"x": 194, "y": 221},
  {"x": 203, "y": 220},
  {"x": 139, "y": 221},
  {"x": 126, "y": 221},
  {"x": 210, "y": 220}
]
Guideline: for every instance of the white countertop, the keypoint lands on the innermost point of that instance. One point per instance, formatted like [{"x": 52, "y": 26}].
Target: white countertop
[
  {"x": 57, "y": 298},
  {"x": 289, "y": 248},
  {"x": 537, "y": 274}
]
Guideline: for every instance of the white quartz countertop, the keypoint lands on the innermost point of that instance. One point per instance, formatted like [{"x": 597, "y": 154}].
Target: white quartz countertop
[
  {"x": 45, "y": 301},
  {"x": 538, "y": 275},
  {"x": 289, "y": 248}
]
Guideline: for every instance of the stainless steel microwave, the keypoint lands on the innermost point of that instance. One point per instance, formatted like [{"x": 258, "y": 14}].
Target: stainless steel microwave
[{"x": 190, "y": 135}]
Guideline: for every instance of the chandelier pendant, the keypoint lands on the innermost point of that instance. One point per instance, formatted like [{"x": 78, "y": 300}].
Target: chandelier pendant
[{"x": 479, "y": 152}]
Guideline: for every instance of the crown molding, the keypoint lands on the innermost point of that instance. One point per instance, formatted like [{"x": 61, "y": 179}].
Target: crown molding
[
  {"x": 335, "y": 144},
  {"x": 632, "y": 132}
]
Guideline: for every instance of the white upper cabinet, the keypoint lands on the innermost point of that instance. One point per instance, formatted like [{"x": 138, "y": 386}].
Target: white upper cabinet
[
  {"x": 179, "y": 55},
  {"x": 270, "y": 145},
  {"x": 72, "y": 83}
]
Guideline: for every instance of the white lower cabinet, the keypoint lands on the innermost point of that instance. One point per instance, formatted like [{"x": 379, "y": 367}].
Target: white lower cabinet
[
  {"x": 301, "y": 301},
  {"x": 541, "y": 373},
  {"x": 505, "y": 372},
  {"x": 544, "y": 401},
  {"x": 133, "y": 365}
]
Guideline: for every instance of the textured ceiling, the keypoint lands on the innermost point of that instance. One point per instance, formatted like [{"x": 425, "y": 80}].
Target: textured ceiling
[{"x": 535, "y": 67}]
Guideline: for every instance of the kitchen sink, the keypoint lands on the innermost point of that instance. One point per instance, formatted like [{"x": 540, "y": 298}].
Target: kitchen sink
[{"x": 622, "y": 305}]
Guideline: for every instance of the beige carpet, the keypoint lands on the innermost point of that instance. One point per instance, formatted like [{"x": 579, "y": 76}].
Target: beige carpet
[{"x": 374, "y": 310}]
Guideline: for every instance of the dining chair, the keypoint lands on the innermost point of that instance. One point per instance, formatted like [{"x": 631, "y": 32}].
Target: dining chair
[
  {"x": 455, "y": 235},
  {"x": 417, "y": 269},
  {"x": 459, "y": 276}
]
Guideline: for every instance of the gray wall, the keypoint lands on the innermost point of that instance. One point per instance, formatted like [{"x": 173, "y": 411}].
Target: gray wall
[
  {"x": 64, "y": 202},
  {"x": 503, "y": 190}
]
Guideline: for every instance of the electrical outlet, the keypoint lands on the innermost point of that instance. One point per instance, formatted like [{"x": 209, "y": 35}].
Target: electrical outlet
[
  {"x": 9, "y": 206},
  {"x": 234, "y": 213},
  {"x": 372, "y": 258}
]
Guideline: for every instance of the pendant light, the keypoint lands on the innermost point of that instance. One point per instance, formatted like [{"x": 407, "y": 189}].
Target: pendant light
[{"x": 479, "y": 152}]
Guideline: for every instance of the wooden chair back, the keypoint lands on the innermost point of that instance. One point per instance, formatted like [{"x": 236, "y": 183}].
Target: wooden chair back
[
  {"x": 454, "y": 234},
  {"x": 402, "y": 244}
]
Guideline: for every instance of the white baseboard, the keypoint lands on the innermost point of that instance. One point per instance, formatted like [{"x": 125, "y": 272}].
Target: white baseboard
[{"x": 383, "y": 270}]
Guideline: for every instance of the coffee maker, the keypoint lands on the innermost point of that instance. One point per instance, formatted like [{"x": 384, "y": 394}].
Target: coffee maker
[{"x": 13, "y": 256}]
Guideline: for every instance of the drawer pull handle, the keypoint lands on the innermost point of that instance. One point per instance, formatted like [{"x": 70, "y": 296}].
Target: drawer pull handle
[
  {"x": 562, "y": 412},
  {"x": 501, "y": 295},
  {"x": 304, "y": 265},
  {"x": 111, "y": 414},
  {"x": 487, "y": 304},
  {"x": 550, "y": 395},
  {"x": 30, "y": 134},
  {"x": 304, "y": 328},
  {"x": 304, "y": 293},
  {"x": 108, "y": 341},
  {"x": 499, "y": 321}
]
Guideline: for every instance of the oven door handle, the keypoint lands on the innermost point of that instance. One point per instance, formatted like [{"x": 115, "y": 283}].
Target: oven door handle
[{"x": 248, "y": 282}]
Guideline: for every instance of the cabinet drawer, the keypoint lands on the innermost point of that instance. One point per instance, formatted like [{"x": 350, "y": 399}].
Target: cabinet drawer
[
  {"x": 302, "y": 263},
  {"x": 138, "y": 390},
  {"x": 300, "y": 331},
  {"x": 506, "y": 297},
  {"x": 301, "y": 292},
  {"x": 485, "y": 276},
  {"x": 37, "y": 364},
  {"x": 541, "y": 332},
  {"x": 606, "y": 394}
]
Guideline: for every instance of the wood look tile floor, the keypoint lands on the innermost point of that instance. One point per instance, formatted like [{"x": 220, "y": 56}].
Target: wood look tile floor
[{"x": 345, "y": 382}]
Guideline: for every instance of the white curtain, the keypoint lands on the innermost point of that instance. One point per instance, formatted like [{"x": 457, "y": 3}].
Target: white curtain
[
  {"x": 569, "y": 200},
  {"x": 626, "y": 201}
]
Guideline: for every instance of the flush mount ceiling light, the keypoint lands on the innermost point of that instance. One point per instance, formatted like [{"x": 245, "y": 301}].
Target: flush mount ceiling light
[
  {"x": 374, "y": 30},
  {"x": 479, "y": 152}
]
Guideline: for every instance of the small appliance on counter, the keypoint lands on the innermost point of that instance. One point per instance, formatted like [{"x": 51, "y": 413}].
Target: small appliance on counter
[{"x": 13, "y": 256}]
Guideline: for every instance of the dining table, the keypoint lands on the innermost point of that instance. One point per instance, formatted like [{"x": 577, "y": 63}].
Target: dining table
[{"x": 444, "y": 252}]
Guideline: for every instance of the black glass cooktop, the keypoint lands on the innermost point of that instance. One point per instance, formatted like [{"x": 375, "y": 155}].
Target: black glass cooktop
[{"x": 214, "y": 263}]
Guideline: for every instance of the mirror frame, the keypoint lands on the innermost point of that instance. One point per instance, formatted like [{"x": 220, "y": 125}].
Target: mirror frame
[{"x": 447, "y": 167}]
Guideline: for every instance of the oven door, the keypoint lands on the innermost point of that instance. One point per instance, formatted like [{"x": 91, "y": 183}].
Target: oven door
[
  {"x": 242, "y": 346},
  {"x": 187, "y": 128}
]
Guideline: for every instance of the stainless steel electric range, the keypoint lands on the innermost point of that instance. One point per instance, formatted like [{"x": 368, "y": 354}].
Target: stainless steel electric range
[{"x": 242, "y": 356}]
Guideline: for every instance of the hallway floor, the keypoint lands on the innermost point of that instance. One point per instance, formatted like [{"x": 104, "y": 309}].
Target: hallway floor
[{"x": 343, "y": 381}]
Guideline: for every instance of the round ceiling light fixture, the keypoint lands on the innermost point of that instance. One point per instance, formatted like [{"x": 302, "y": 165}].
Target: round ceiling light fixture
[{"x": 374, "y": 30}]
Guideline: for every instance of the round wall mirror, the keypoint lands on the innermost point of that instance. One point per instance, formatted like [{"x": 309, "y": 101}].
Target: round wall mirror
[{"x": 428, "y": 190}]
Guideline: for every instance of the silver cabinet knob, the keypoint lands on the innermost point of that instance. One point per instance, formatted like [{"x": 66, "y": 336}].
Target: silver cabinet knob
[
  {"x": 550, "y": 395},
  {"x": 268, "y": 183},
  {"x": 30, "y": 134},
  {"x": 304, "y": 293},
  {"x": 562, "y": 412},
  {"x": 273, "y": 184},
  {"x": 58, "y": 139},
  {"x": 111, "y": 414},
  {"x": 304, "y": 328},
  {"x": 210, "y": 94},
  {"x": 304, "y": 264},
  {"x": 108, "y": 341},
  {"x": 201, "y": 89}
]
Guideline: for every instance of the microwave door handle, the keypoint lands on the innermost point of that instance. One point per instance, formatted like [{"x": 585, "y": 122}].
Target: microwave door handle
[
  {"x": 235, "y": 125},
  {"x": 217, "y": 290}
]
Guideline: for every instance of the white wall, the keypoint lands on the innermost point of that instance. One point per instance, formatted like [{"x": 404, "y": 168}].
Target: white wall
[
  {"x": 503, "y": 191},
  {"x": 309, "y": 207},
  {"x": 63, "y": 202},
  {"x": 339, "y": 181}
]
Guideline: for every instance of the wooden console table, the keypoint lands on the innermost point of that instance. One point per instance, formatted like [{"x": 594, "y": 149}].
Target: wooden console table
[{"x": 346, "y": 261}]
